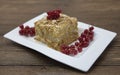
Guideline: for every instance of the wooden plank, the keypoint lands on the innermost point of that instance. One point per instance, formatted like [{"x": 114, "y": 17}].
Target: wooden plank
[
  {"x": 27, "y": 56},
  {"x": 57, "y": 70},
  {"x": 87, "y": 10},
  {"x": 10, "y": 45}
]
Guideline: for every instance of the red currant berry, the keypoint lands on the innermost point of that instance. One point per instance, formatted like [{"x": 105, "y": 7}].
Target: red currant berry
[
  {"x": 86, "y": 31},
  {"x": 76, "y": 43},
  {"x": 49, "y": 12},
  {"x": 91, "y": 37},
  {"x": 91, "y": 28},
  {"x": 26, "y": 33},
  {"x": 79, "y": 49},
  {"x": 91, "y": 33},
  {"x": 72, "y": 46},
  {"x": 27, "y": 27},
  {"x": 83, "y": 35},
  {"x": 80, "y": 39},
  {"x": 64, "y": 46},
  {"x": 87, "y": 39},
  {"x": 33, "y": 28},
  {"x": 63, "y": 51},
  {"x": 32, "y": 33},
  {"x": 49, "y": 17},
  {"x": 67, "y": 52},
  {"x": 85, "y": 44},
  {"x": 21, "y": 27},
  {"x": 75, "y": 52},
  {"x": 21, "y": 32},
  {"x": 58, "y": 10},
  {"x": 80, "y": 44},
  {"x": 55, "y": 14}
]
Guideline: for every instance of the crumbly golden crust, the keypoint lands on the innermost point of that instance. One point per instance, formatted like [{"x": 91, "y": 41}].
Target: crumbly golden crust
[{"x": 56, "y": 32}]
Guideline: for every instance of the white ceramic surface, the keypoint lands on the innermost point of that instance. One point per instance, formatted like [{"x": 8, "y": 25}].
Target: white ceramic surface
[{"x": 83, "y": 61}]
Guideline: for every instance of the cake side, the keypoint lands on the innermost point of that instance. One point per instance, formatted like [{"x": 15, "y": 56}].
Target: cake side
[{"x": 54, "y": 33}]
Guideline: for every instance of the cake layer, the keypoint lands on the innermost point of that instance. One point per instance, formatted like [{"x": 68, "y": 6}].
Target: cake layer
[{"x": 57, "y": 32}]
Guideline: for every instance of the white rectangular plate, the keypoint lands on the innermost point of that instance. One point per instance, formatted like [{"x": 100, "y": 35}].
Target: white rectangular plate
[{"x": 83, "y": 61}]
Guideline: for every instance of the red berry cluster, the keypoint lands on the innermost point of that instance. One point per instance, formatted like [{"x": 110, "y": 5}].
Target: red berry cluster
[
  {"x": 26, "y": 31},
  {"x": 53, "y": 15},
  {"x": 83, "y": 41}
]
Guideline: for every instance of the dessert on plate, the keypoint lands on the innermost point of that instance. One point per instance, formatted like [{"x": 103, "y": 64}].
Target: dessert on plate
[{"x": 56, "y": 29}]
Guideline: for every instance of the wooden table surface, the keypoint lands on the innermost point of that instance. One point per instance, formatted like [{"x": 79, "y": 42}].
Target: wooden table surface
[{"x": 16, "y": 59}]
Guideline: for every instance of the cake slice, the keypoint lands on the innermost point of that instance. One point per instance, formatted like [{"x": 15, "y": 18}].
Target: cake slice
[{"x": 56, "y": 32}]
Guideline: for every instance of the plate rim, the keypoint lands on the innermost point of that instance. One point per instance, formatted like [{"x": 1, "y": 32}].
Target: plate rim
[{"x": 78, "y": 64}]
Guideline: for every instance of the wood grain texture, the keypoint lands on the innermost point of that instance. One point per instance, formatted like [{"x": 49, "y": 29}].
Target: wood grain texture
[
  {"x": 56, "y": 70},
  {"x": 16, "y": 59}
]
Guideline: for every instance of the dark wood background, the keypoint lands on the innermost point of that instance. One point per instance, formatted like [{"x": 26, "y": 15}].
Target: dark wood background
[{"x": 16, "y": 59}]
